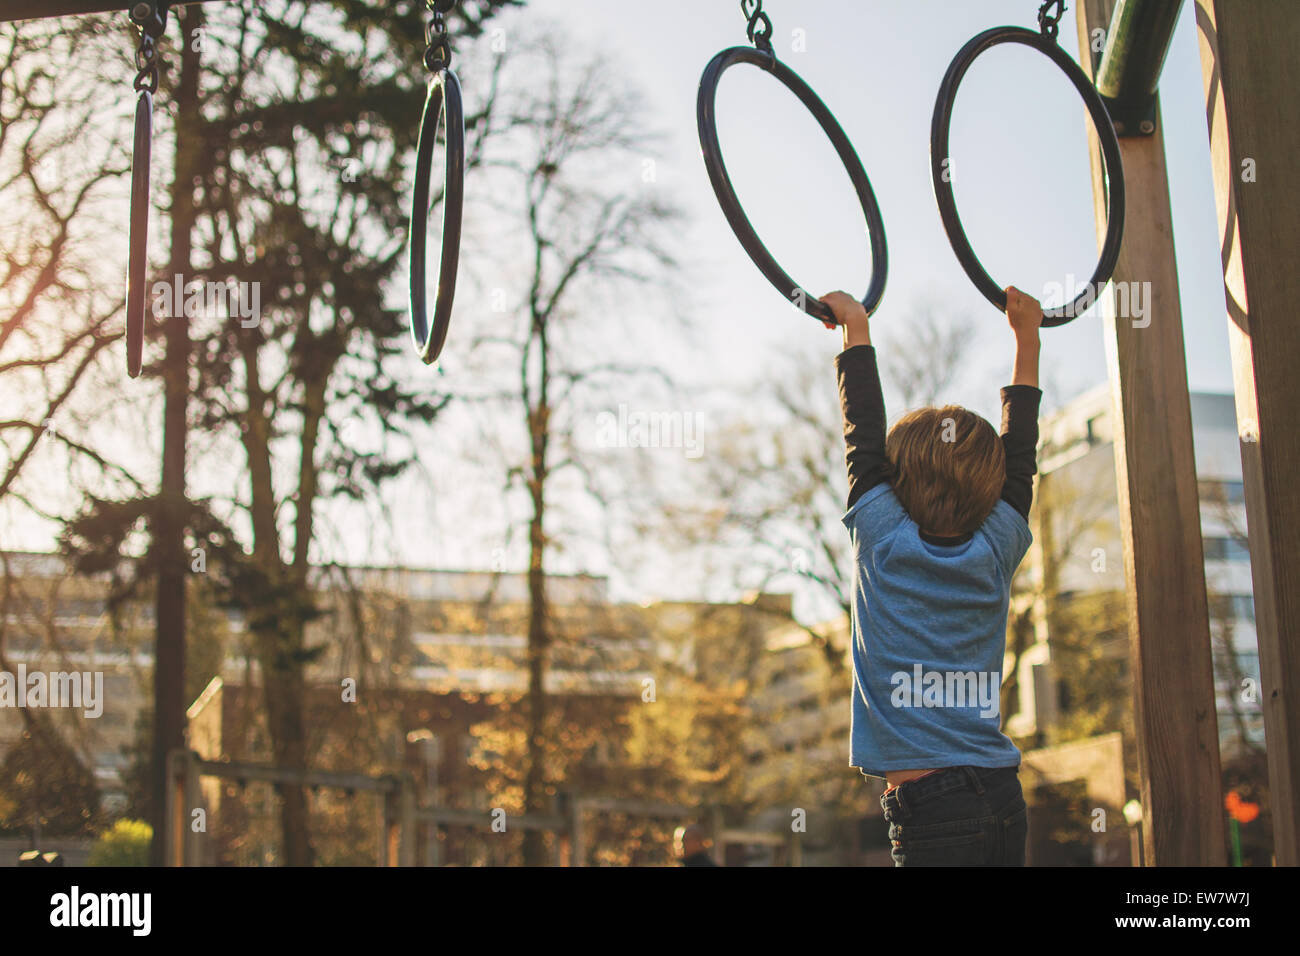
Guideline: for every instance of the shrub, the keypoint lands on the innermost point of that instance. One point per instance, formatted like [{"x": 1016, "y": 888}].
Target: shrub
[{"x": 126, "y": 843}]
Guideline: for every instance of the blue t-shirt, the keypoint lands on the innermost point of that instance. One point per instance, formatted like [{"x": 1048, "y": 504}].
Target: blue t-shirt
[{"x": 929, "y": 635}]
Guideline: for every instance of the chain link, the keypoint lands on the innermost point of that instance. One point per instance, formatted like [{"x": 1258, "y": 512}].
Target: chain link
[
  {"x": 761, "y": 38},
  {"x": 437, "y": 52},
  {"x": 1047, "y": 24},
  {"x": 150, "y": 18}
]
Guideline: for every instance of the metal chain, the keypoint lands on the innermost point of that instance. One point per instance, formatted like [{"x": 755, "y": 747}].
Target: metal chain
[
  {"x": 1047, "y": 24},
  {"x": 146, "y": 65},
  {"x": 150, "y": 18},
  {"x": 760, "y": 38},
  {"x": 437, "y": 52}
]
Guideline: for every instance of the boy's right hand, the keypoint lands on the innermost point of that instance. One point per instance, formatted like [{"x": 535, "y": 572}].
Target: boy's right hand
[
  {"x": 849, "y": 315},
  {"x": 1026, "y": 316},
  {"x": 1023, "y": 312}
]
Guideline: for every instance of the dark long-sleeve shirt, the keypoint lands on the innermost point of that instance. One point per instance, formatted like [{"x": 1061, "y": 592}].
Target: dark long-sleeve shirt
[{"x": 863, "y": 404}]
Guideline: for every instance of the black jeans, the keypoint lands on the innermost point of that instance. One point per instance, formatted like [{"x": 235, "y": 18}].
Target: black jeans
[{"x": 959, "y": 816}]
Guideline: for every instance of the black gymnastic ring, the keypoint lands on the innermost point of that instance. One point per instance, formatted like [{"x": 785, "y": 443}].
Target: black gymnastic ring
[
  {"x": 943, "y": 193},
  {"x": 706, "y": 121},
  {"x": 443, "y": 95},
  {"x": 138, "y": 241}
]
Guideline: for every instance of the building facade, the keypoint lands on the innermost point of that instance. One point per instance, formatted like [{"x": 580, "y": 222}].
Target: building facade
[
  {"x": 725, "y": 705},
  {"x": 1076, "y": 565}
]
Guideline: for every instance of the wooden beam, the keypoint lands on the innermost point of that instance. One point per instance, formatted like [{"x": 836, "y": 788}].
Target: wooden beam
[
  {"x": 752, "y": 838},
  {"x": 481, "y": 819},
  {"x": 235, "y": 770},
  {"x": 637, "y": 808},
  {"x": 45, "y": 9},
  {"x": 1249, "y": 55},
  {"x": 1159, "y": 507}
]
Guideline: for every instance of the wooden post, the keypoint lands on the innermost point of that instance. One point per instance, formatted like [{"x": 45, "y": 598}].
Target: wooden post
[
  {"x": 436, "y": 836},
  {"x": 392, "y": 828},
  {"x": 716, "y": 823},
  {"x": 178, "y": 843},
  {"x": 406, "y": 820},
  {"x": 167, "y": 833},
  {"x": 555, "y": 805},
  {"x": 190, "y": 846},
  {"x": 434, "y": 831},
  {"x": 1249, "y": 55},
  {"x": 577, "y": 849},
  {"x": 1159, "y": 507}
]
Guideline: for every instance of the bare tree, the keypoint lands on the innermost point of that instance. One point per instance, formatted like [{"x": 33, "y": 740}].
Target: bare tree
[
  {"x": 56, "y": 320},
  {"x": 288, "y": 185},
  {"x": 60, "y": 303},
  {"x": 565, "y": 182},
  {"x": 926, "y": 359}
]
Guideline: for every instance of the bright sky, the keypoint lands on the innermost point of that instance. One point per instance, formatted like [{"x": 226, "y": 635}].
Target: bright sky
[
  {"x": 1019, "y": 147},
  {"x": 1023, "y": 188},
  {"x": 1020, "y": 157}
]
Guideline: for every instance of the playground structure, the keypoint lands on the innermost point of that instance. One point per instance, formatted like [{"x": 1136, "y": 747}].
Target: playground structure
[
  {"x": 1250, "y": 56},
  {"x": 407, "y": 826},
  {"x": 1251, "y": 91}
]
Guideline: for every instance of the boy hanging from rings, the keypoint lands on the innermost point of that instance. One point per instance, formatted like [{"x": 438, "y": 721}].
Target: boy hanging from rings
[{"x": 938, "y": 517}]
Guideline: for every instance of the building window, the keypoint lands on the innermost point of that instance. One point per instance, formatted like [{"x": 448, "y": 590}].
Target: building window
[
  {"x": 1225, "y": 549},
  {"x": 1239, "y": 607},
  {"x": 1227, "y": 492},
  {"x": 77, "y": 609}
]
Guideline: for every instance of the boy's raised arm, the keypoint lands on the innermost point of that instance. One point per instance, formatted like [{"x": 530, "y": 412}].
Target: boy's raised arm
[
  {"x": 1020, "y": 401},
  {"x": 861, "y": 398}
]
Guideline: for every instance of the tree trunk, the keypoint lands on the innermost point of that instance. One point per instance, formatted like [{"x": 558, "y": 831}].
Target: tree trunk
[
  {"x": 283, "y": 688},
  {"x": 280, "y": 639},
  {"x": 285, "y": 713},
  {"x": 539, "y": 636}
]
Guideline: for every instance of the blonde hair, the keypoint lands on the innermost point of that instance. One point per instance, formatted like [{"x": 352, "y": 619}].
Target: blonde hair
[{"x": 949, "y": 466}]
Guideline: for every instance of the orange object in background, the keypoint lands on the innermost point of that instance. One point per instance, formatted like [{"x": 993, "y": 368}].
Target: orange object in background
[{"x": 1240, "y": 810}]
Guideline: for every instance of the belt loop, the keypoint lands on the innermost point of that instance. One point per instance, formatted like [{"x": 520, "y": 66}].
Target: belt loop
[
  {"x": 975, "y": 780},
  {"x": 892, "y": 800}
]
